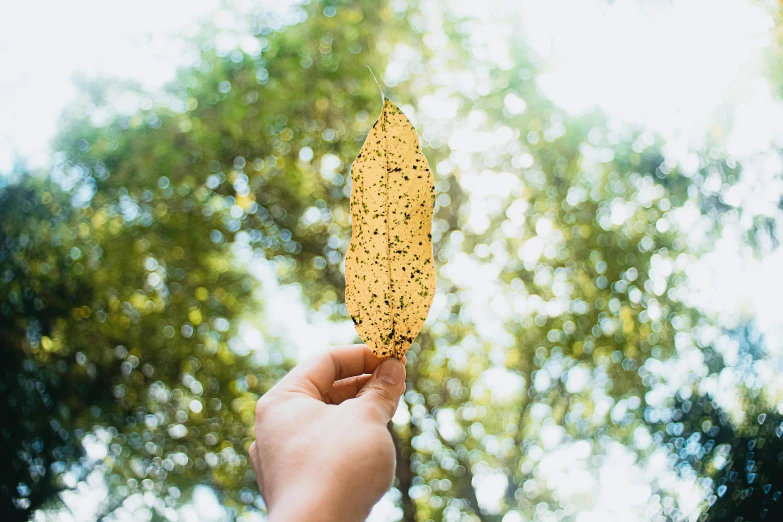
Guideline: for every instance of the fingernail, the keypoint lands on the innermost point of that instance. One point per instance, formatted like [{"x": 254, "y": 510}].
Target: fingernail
[{"x": 391, "y": 371}]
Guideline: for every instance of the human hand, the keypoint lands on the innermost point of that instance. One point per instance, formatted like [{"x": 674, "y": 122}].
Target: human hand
[{"x": 323, "y": 451}]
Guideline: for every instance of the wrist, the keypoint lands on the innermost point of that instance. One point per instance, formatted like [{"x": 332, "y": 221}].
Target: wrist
[{"x": 314, "y": 504}]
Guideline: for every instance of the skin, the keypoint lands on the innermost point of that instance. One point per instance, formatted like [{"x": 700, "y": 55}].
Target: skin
[{"x": 323, "y": 451}]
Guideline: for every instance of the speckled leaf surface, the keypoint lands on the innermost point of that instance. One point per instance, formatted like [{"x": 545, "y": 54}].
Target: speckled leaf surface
[{"x": 389, "y": 270}]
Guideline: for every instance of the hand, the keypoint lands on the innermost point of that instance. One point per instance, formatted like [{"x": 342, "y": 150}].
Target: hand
[{"x": 323, "y": 451}]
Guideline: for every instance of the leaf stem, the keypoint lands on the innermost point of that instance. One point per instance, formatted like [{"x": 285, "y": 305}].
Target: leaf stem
[{"x": 383, "y": 96}]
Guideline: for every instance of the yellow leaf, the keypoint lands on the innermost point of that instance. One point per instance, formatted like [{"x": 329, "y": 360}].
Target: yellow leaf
[{"x": 389, "y": 270}]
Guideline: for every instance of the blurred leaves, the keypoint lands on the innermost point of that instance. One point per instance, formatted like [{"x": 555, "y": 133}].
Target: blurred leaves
[{"x": 561, "y": 330}]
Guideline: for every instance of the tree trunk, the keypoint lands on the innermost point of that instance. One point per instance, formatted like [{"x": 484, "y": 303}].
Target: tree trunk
[{"x": 404, "y": 475}]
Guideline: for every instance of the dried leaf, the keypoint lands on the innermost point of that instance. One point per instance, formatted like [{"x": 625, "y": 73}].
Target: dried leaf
[{"x": 389, "y": 270}]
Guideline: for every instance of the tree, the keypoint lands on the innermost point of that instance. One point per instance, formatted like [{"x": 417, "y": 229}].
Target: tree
[
  {"x": 750, "y": 486},
  {"x": 559, "y": 243},
  {"x": 743, "y": 459}
]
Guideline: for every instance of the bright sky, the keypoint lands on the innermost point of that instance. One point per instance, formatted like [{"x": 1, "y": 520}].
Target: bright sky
[
  {"x": 43, "y": 44},
  {"x": 669, "y": 67}
]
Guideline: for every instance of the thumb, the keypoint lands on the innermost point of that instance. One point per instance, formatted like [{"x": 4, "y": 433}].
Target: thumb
[{"x": 382, "y": 392}]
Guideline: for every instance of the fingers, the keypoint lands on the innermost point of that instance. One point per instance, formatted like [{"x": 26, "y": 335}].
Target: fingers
[
  {"x": 382, "y": 391},
  {"x": 346, "y": 389},
  {"x": 316, "y": 376}
]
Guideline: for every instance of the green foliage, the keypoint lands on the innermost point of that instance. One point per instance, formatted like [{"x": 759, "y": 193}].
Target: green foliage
[
  {"x": 114, "y": 331},
  {"x": 746, "y": 460},
  {"x": 122, "y": 284}
]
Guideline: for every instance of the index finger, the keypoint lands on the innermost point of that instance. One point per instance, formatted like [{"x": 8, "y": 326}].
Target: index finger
[{"x": 316, "y": 376}]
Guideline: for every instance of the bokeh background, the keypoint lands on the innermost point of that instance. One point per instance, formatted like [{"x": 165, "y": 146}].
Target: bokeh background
[{"x": 606, "y": 342}]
